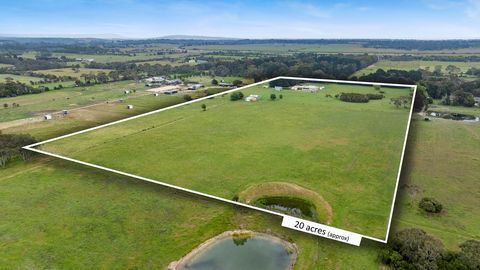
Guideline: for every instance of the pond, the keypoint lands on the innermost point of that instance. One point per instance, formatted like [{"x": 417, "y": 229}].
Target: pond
[
  {"x": 253, "y": 252},
  {"x": 289, "y": 205},
  {"x": 454, "y": 116}
]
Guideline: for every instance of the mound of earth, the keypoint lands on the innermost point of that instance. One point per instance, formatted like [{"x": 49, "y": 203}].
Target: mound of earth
[{"x": 282, "y": 189}]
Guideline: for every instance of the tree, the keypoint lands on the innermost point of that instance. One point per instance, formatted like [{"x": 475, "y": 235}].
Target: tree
[
  {"x": 273, "y": 97},
  {"x": 237, "y": 82},
  {"x": 102, "y": 77},
  {"x": 412, "y": 249},
  {"x": 204, "y": 107},
  {"x": 187, "y": 97},
  {"x": 236, "y": 96},
  {"x": 11, "y": 146},
  {"x": 5, "y": 105},
  {"x": 214, "y": 82},
  {"x": 280, "y": 96}
]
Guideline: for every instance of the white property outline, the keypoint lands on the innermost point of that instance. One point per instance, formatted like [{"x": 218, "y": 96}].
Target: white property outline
[{"x": 31, "y": 147}]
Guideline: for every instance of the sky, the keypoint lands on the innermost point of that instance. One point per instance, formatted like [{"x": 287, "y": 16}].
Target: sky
[{"x": 400, "y": 19}]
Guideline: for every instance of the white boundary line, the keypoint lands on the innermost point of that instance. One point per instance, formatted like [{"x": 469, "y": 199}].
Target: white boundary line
[{"x": 31, "y": 146}]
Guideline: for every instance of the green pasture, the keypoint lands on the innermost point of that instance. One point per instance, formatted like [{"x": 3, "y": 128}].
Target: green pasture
[
  {"x": 60, "y": 215},
  {"x": 442, "y": 162},
  {"x": 347, "y": 152},
  {"x": 414, "y": 65},
  {"x": 20, "y": 78},
  {"x": 72, "y": 72},
  {"x": 105, "y": 58},
  {"x": 325, "y": 48},
  {"x": 68, "y": 98}
]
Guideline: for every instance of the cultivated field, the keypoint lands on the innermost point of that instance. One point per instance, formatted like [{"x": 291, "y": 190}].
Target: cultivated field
[{"x": 348, "y": 153}]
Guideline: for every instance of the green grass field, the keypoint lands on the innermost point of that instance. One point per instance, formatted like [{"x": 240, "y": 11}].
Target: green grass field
[
  {"x": 71, "y": 72},
  {"x": 106, "y": 58},
  {"x": 5, "y": 65},
  {"x": 414, "y": 65},
  {"x": 61, "y": 215},
  {"x": 442, "y": 161},
  {"x": 325, "y": 48},
  {"x": 348, "y": 153},
  {"x": 20, "y": 78},
  {"x": 67, "y": 98}
]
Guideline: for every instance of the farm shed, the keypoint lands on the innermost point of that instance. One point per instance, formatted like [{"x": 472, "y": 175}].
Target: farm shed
[
  {"x": 195, "y": 86},
  {"x": 307, "y": 88},
  {"x": 170, "y": 92},
  {"x": 129, "y": 107},
  {"x": 47, "y": 117}
]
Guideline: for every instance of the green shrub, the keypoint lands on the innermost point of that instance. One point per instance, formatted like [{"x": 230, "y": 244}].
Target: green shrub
[
  {"x": 354, "y": 97},
  {"x": 412, "y": 249},
  {"x": 375, "y": 96},
  {"x": 430, "y": 205},
  {"x": 236, "y": 96}
]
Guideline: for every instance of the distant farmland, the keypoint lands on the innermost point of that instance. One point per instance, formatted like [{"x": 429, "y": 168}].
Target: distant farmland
[{"x": 414, "y": 65}]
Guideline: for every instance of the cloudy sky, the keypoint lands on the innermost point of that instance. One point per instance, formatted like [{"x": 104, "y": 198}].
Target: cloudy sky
[{"x": 422, "y": 19}]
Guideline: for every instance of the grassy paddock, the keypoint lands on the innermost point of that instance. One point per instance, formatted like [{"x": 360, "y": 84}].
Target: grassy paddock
[
  {"x": 442, "y": 162},
  {"x": 69, "y": 98},
  {"x": 348, "y": 153},
  {"x": 414, "y": 65},
  {"x": 71, "y": 72},
  {"x": 62, "y": 215}
]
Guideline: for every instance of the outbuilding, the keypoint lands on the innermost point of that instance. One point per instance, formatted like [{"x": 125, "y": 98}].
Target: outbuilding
[
  {"x": 129, "y": 107},
  {"x": 252, "y": 98},
  {"x": 47, "y": 117}
]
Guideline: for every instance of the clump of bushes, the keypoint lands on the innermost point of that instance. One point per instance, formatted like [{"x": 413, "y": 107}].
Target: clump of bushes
[
  {"x": 354, "y": 97},
  {"x": 236, "y": 96},
  {"x": 415, "y": 249},
  {"x": 412, "y": 249},
  {"x": 375, "y": 96},
  {"x": 430, "y": 205},
  {"x": 358, "y": 98}
]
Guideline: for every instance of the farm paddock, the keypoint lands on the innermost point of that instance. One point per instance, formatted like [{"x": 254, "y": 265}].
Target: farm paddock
[{"x": 348, "y": 153}]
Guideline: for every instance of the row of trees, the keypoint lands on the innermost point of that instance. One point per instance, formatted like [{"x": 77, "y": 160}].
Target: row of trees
[
  {"x": 12, "y": 88},
  {"x": 309, "y": 65}
]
